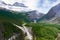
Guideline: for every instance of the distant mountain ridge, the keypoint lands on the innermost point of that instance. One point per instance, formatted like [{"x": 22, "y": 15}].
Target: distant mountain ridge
[
  {"x": 19, "y": 4},
  {"x": 2, "y": 3},
  {"x": 20, "y": 7},
  {"x": 34, "y": 15},
  {"x": 15, "y": 7},
  {"x": 53, "y": 15},
  {"x": 14, "y": 4}
]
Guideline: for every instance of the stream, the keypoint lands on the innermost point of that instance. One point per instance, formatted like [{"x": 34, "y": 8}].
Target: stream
[{"x": 25, "y": 30}]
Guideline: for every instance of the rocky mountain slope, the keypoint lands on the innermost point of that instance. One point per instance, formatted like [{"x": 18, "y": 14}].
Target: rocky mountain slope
[{"x": 53, "y": 15}]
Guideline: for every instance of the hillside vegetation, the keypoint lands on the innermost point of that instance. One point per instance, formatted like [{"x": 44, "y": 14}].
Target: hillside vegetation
[
  {"x": 13, "y": 17},
  {"x": 42, "y": 31}
]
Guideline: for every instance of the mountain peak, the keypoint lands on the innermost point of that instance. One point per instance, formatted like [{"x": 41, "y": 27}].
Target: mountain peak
[
  {"x": 2, "y": 3},
  {"x": 19, "y": 4},
  {"x": 58, "y": 4},
  {"x": 53, "y": 14},
  {"x": 56, "y": 8}
]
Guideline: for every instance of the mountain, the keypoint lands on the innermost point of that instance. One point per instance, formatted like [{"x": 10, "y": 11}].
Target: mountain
[
  {"x": 2, "y": 3},
  {"x": 19, "y": 7},
  {"x": 56, "y": 18},
  {"x": 9, "y": 4},
  {"x": 19, "y": 4},
  {"x": 11, "y": 16},
  {"x": 53, "y": 14},
  {"x": 34, "y": 15}
]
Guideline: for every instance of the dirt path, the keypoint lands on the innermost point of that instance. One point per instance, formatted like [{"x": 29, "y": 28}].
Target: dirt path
[{"x": 58, "y": 37}]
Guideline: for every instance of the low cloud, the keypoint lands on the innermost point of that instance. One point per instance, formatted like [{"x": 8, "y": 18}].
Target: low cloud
[{"x": 41, "y": 5}]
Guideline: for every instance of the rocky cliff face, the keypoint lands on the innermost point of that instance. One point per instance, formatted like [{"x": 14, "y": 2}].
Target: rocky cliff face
[
  {"x": 53, "y": 14},
  {"x": 1, "y": 31}
]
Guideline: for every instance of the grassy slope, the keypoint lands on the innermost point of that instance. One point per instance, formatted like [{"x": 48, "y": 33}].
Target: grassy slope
[
  {"x": 12, "y": 17},
  {"x": 41, "y": 31},
  {"x": 45, "y": 31}
]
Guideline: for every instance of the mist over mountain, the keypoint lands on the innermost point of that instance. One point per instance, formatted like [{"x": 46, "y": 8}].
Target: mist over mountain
[
  {"x": 20, "y": 7},
  {"x": 15, "y": 7},
  {"x": 2, "y": 3}
]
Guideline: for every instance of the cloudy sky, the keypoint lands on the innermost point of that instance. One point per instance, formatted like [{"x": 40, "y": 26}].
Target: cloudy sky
[{"x": 40, "y": 5}]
